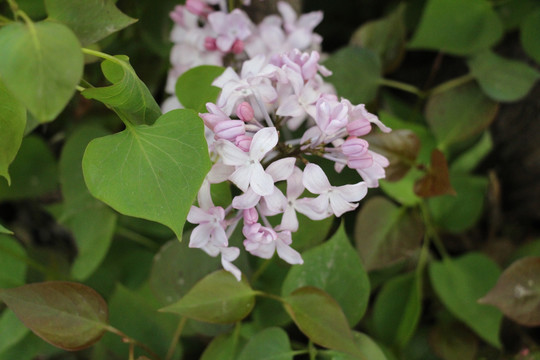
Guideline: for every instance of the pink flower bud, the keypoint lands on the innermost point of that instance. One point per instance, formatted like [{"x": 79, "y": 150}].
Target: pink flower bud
[
  {"x": 355, "y": 147},
  {"x": 229, "y": 129},
  {"x": 177, "y": 15},
  {"x": 210, "y": 43},
  {"x": 361, "y": 162},
  {"x": 250, "y": 216},
  {"x": 237, "y": 47},
  {"x": 198, "y": 7},
  {"x": 358, "y": 127},
  {"x": 243, "y": 142},
  {"x": 245, "y": 112}
]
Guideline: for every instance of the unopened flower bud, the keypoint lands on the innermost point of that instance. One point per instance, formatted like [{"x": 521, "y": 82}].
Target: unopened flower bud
[
  {"x": 250, "y": 216},
  {"x": 358, "y": 127},
  {"x": 237, "y": 47},
  {"x": 210, "y": 43},
  {"x": 229, "y": 129},
  {"x": 243, "y": 142},
  {"x": 354, "y": 147},
  {"x": 177, "y": 15},
  {"x": 198, "y": 7},
  {"x": 245, "y": 112},
  {"x": 360, "y": 162}
]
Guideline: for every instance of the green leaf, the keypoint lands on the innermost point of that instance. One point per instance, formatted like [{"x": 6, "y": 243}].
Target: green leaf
[
  {"x": 90, "y": 20},
  {"x": 460, "y": 283},
  {"x": 68, "y": 315},
  {"x": 12, "y": 257},
  {"x": 454, "y": 341},
  {"x": 530, "y": 33},
  {"x": 321, "y": 319},
  {"x": 29, "y": 348},
  {"x": 469, "y": 160},
  {"x": 33, "y": 172},
  {"x": 328, "y": 267},
  {"x": 395, "y": 321},
  {"x": 217, "y": 298},
  {"x": 151, "y": 172},
  {"x": 457, "y": 213},
  {"x": 223, "y": 347},
  {"x": 270, "y": 344},
  {"x": 194, "y": 87},
  {"x": 41, "y": 64},
  {"x": 502, "y": 79},
  {"x": 514, "y": 13},
  {"x": 128, "y": 96},
  {"x": 12, "y": 330},
  {"x": 385, "y": 234},
  {"x": 177, "y": 268},
  {"x": 3, "y": 230},
  {"x": 402, "y": 190},
  {"x": 356, "y": 73},
  {"x": 91, "y": 222},
  {"x": 12, "y": 123},
  {"x": 458, "y": 27},
  {"x": 385, "y": 37},
  {"x": 135, "y": 314},
  {"x": 517, "y": 292},
  {"x": 459, "y": 113},
  {"x": 369, "y": 348}
]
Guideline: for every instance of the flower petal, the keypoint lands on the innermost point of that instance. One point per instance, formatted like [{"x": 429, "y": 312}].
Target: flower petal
[
  {"x": 289, "y": 221},
  {"x": 263, "y": 141},
  {"x": 197, "y": 215},
  {"x": 295, "y": 187},
  {"x": 242, "y": 177},
  {"x": 315, "y": 180},
  {"x": 353, "y": 192},
  {"x": 230, "y": 154},
  {"x": 261, "y": 182},
  {"x": 247, "y": 200},
  {"x": 339, "y": 205},
  {"x": 200, "y": 236},
  {"x": 281, "y": 169},
  {"x": 286, "y": 252}
]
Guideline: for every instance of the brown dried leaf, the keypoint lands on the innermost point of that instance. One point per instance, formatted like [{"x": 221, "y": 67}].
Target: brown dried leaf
[
  {"x": 517, "y": 292},
  {"x": 437, "y": 181}
]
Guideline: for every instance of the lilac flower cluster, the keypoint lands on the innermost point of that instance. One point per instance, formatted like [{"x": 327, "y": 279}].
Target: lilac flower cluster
[{"x": 249, "y": 133}]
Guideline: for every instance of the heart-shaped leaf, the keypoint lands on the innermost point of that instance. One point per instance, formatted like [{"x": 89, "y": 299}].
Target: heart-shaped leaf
[
  {"x": 90, "y": 20},
  {"x": 460, "y": 283},
  {"x": 328, "y": 267},
  {"x": 369, "y": 348},
  {"x": 194, "y": 87},
  {"x": 517, "y": 292},
  {"x": 355, "y": 73},
  {"x": 530, "y": 33},
  {"x": 502, "y": 79},
  {"x": 218, "y": 298},
  {"x": 68, "y": 315},
  {"x": 457, "y": 27},
  {"x": 128, "y": 96},
  {"x": 321, "y": 319},
  {"x": 437, "y": 181},
  {"x": 41, "y": 64},
  {"x": 13, "y": 123},
  {"x": 3, "y": 230},
  {"x": 152, "y": 172},
  {"x": 385, "y": 234}
]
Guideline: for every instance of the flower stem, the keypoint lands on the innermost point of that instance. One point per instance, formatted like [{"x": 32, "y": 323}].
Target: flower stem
[
  {"x": 131, "y": 341},
  {"x": 176, "y": 337},
  {"x": 402, "y": 86}
]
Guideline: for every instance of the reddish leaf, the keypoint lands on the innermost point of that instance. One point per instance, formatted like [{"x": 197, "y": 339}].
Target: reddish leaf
[
  {"x": 437, "y": 181},
  {"x": 401, "y": 147},
  {"x": 68, "y": 315},
  {"x": 517, "y": 292}
]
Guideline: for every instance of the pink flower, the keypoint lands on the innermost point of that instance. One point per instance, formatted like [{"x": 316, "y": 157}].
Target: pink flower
[
  {"x": 229, "y": 129},
  {"x": 332, "y": 199},
  {"x": 214, "y": 116},
  {"x": 263, "y": 242},
  {"x": 359, "y": 113},
  {"x": 375, "y": 171},
  {"x": 210, "y": 229},
  {"x": 331, "y": 115},
  {"x": 198, "y": 7},
  {"x": 229, "y": 27},
  {"x": 245, "y": 112},
  {"x": 249, "y": 171}
]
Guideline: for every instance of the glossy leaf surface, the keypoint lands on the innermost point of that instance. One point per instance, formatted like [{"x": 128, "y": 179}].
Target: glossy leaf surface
[
  {"x": 128, "y": 96},
  {"x": 321, "y": 319},
  {"x": 457, "y": 27},
  {"x": 12, "y": 125},
  {"x": 385, "y": 234},
  {"x": 328, "y": 267},
  {"x": 152, "y": 172},
  {"x": 194, "y": 87},
  {"x": 460, "y": 283},
  {"x": 41, "y": 64},
  {"x": 68, "y": 315},
  {"x": 90, "y": 20},
  {"x": 517, "y": 292},
  {"x": 218, "y": 298},
  {"x": 502, "y": 79}
]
